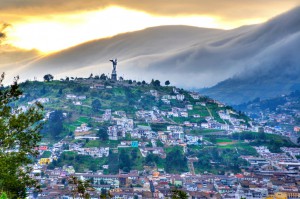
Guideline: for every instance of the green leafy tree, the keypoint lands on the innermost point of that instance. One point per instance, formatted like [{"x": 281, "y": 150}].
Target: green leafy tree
[
  {"x": 55, "y": 124},
  {"x": 48, "y": 78},
  {"x": 103, "y": 77},
  {"x": 134, "y": 154},
  {"x": 96, "y": 105},
  {"x": 155, "y": 83},
  {"x": 80, "y": 188},
  {"x": 125, "y": 162},
  {"x": 167, "y": 83},
  {"x": 105, "y": 194},
  {"x": 102, "y": 133},
  {"x": 175, "y": 161},
  {"x": 60, "y": 92},
  {"x": 179, "y": 194},
  {"x": 19, "y": 136}
]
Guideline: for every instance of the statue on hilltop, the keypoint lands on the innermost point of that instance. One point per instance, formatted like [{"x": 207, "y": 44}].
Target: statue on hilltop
[{"x": 114, "y": 71}]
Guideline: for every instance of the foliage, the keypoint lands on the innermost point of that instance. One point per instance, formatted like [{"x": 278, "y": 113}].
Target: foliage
[
  {"x": 19, "y": 136},
  {"x": 218, "y": 160},
  {"x": 46, "y": 154},
  {"x": 272, "y": 141},
  {"x": 96, "y": 105},
  {"x": 48, "y": 78},
  {"x": 54, "y": 125},
  {"x": 176, "y": 161},
  {"x": 153, "y": 160},
  {"x": 3, "y": 196},
  {"x": 105, "y": 195},
  {"x": 155, "y": 83},
  {"x": 179, "y": 194},
  {"x": 102, "y": 133},
  {"x": 125, "y": 162},
  {"x": 167, "y": 83},
  {"x": 79, "y": 162},
  {"x": 80, "y": 188}
]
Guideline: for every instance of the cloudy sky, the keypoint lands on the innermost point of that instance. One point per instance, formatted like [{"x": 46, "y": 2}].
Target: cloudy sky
[{"x": 52, "y": 25}]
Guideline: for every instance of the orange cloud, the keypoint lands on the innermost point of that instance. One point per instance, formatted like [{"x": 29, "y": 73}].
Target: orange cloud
[{"x": 230, "y": 9}]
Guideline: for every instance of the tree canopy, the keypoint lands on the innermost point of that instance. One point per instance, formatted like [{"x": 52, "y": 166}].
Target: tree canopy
[
  {"x": 179, "y": 194},
  {"x": 102, "y": 133},
  {"x": 19, "y": 136},
  {"x": 55, "y": 123},
  {"x": 96, "y": 105},
  {"x": 48, "y": 78}
]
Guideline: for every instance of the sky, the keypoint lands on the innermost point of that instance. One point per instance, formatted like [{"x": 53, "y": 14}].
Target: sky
[{"x": 50, "y": 26}]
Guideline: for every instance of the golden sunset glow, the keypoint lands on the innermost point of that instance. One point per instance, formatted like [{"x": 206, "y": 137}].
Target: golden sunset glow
[{"x": 57, "y": 32}]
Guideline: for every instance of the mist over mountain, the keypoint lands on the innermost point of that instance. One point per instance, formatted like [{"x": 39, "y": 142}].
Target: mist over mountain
[
  {"x": 236, "y": 65},
  {"x": 271, "y": 72}
]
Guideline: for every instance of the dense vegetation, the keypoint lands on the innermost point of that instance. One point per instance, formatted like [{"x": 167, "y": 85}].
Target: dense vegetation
[{"x": 19, "y": 136}]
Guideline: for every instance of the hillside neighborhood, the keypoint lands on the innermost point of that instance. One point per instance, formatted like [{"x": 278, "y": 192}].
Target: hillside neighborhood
[{"x": 163, "y": 120}]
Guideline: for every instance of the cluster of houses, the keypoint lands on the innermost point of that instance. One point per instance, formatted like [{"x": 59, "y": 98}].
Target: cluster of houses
[
  {"x": 159, "y": 185},
  {"x": 262, "y": 179}
]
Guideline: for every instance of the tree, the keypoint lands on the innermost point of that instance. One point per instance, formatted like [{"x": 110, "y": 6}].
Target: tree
[
  {"x": 105, "y": 194},
  {"x": 19, "y": 136},
  {"x": 130, "y": 81},
  {"x": 179, "y": 194},
  {"x": 96, "y": 105},
  {"x": 102, "y": 133},
  {"x": 155, "y": 83},
  {"x": 48, "y": 78},
  {"x": 143, "y": 82},
  {"x": 125, "y": 162},
  {"x": 134, "y": 154},
  {"x": 167, "y": 83},
  {"x": 175, "y": 161},
  {"x": 60, "y": 91},
  {"x": 55, "y": 123},
  {"x": 80, "y": 188},
  {"x": 103, "y": 77}
]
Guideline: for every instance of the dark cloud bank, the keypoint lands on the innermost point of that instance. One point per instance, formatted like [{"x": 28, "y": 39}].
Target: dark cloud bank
[{"x": 244, "y": 63}]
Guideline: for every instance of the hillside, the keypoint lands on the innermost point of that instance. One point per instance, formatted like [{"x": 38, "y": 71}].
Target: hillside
[
  {"x": 282, "y": 112},
  {"x": 100, "y": 121}
]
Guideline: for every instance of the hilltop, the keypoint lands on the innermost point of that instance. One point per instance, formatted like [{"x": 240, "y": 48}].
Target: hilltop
[{"x": 99, "y": 124}]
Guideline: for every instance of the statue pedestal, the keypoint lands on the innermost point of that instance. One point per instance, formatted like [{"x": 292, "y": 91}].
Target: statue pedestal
[{"x": 114, "y": 76}]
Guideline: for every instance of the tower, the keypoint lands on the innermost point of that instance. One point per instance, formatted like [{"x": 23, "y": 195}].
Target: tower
[{"x": 114, "y": 71}]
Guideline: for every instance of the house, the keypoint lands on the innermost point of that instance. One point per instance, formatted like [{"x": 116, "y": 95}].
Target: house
[
  {"x": 180, "y": 97},
  {"x": 77, "y": 103},
  {"x": 297, "y": 128},
  {"x": 205, "y": 125},
  {"x": 189, "y": 107},
  {"x": 98, "y": 86}
]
